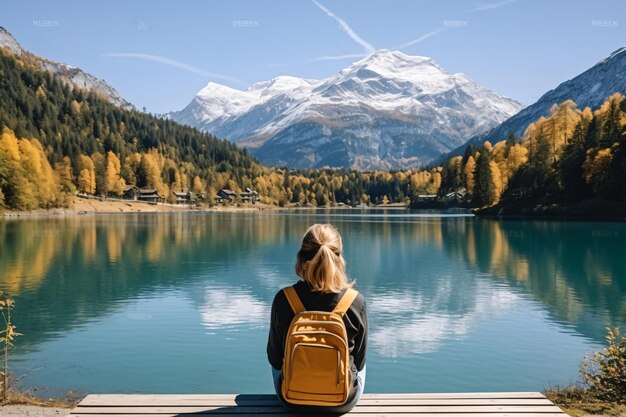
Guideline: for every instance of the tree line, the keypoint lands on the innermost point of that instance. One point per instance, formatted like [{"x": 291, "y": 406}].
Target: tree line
[{"x": 570, "y": 156}]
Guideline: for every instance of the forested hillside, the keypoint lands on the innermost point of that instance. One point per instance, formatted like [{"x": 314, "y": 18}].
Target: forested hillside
[
  {"x": 571, "y": 156},
  {"x": 58, "y": 140}
]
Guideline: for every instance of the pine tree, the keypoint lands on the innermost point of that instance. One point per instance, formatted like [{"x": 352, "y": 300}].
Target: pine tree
[{"x": 485, "y": 193}]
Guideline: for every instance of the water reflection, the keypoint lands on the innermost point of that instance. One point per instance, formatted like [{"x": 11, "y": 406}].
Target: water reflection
[
  {"x": 428, "y": 281},
  {"x": 575, "y": 269},
  {"x": 224, "y": 307},
  {"x": 409, "y": 323}
]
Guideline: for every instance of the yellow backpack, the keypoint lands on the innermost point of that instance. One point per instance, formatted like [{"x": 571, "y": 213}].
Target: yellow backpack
[{"x": 316, "y": 364}]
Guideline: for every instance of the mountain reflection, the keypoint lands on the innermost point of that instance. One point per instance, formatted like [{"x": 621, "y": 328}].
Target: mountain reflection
[
  {"x": 426, "y": 279},
  {"x": 575, "y": 269}
]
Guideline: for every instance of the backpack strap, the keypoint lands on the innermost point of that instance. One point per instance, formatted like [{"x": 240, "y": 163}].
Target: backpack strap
[
  {"x": 294, "y": 300},
  {"x": 346, "y": 301}
]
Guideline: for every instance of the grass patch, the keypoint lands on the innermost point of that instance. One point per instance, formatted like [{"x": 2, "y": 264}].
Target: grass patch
[
  {"x": 28, "y": 397},
  {"x": 578, "y": 401}
]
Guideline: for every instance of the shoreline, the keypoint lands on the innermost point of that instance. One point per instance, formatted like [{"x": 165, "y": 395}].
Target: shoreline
[
  {"x": 92, "y": 206},
  {"x": 88, "y": 207}
]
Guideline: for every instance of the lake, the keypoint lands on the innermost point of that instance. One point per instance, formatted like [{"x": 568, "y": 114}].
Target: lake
[{"x": 180, "y": 303}]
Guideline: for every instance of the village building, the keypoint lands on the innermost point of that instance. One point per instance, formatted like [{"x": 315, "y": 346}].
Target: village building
[
  {"x": 130, "y": 192},
  {"x": 184, "y": 197},
  {"x": 250, "y": 196},
  {"x": 225, "y": 195},
  {"x": 456, "y": 196},
  {"x": 150, "y": 196}
]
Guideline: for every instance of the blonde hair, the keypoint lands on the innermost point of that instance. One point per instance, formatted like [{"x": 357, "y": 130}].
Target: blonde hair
[{"x": 319, "y": 262}]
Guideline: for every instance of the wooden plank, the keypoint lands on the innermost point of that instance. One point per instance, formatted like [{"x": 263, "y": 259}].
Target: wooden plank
[
  {"x": 203, "y": 399},
  {"x": 364, "y": 401},
  {"x": 359, "y": 408},
  {"x": 352, "y": 414},
  {"x": 516, "y": 404}
]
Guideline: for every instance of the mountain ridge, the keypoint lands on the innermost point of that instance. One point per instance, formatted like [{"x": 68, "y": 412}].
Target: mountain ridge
[
  {"x": 588, "y": 89},
  {"x": 71, "y": 75},
  {"x": 386, "y": 111}
]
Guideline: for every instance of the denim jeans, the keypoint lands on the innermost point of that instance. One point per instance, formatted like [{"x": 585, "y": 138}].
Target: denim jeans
[{"x": 339, "y": 409}]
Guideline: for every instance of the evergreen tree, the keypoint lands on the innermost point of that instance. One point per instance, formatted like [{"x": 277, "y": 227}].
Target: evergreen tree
[{"x": 484, "y": 191}]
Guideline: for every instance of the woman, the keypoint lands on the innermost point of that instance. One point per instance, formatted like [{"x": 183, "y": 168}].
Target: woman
[{"x": 323, "y": 282}]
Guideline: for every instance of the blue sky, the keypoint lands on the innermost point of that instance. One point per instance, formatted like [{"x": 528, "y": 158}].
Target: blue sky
[{"x": 159, "y": 54}]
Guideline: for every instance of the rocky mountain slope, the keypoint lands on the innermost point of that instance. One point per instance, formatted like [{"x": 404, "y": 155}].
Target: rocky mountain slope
[
  {"x": 386, "y": 111},
  {"x": 71, "y": 75}
]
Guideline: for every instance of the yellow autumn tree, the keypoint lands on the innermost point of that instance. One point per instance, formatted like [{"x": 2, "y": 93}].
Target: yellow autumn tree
[
  {"x": 469, "y": 174},
  {"x": 198, "y": 186},
  {"x": 18, "y": 192},
  {"x": 39, "y": 172},
  {"x": 496, "y": 181},
  {"x": 86, "y": 182},
  {"x": 596, "y": 168},
  {"x": 113, "y": 182},
  {"x": 64, "y": 172}
]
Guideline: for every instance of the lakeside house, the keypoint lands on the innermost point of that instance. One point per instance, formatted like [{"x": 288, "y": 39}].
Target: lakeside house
[
  {"x": 184, "y": 197},
  {"x": 150, "y": 195},
  {"x": 228, "y": 196},
  {"x": 225, "y": 195},
  {"x": 250, "y": 196},
  {"x": 131, "y": 192},
  {"x": 456, "y": 196}
]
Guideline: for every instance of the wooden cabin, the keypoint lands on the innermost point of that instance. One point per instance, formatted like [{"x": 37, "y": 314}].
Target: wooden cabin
[
  {"x": 150, "y": 195},
  {"x": 456, "y": 196},
  {"x": 184, "y": 197},
  {"x": 225, "y": 195},
  {"x": 131, "y": 192},
  {"x": 250, "y": 196}
]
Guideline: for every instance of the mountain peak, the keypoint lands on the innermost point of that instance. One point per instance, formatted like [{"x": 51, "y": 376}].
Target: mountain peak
[
  {"x": 615, "y": 53},
  {"x": 384, "y": 59},
  {"x": 8, "y": 41},
  {"x": 282, "y": 83}
]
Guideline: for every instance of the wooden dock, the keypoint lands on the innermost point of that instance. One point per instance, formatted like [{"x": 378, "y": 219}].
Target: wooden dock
[{"x": 502, "y": 404}]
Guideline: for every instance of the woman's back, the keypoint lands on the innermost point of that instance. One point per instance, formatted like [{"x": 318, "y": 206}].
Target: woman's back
[{"x": 321, "y": 268}]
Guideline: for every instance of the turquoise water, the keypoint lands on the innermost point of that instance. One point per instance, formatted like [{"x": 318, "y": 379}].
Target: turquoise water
[{"x": 180, "y": 302}]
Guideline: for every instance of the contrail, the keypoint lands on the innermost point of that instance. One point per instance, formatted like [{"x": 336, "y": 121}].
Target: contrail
[
  {"x": 173, "y": 63},
  {"x": 368, "y": 47},
  {"x": 421, "y": 38},
  {"x": 491, "y": 6},
  {"x": 321, "y": 58}
]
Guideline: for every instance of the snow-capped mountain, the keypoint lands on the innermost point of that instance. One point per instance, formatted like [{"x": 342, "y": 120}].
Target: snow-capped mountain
[
  {"x": 388, "y": 110},
  {"x": 72, "y": 76},
  {"x": 589, "y": 89}
]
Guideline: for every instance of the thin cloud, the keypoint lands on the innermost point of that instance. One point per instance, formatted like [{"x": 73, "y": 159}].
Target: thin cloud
[
  {"x": 173, "y": 63},
  {"x": 368, "y": 47},
  {"x": 421, "y": 38},
  {"x": 490, "y": 6},
  {"x": 321, "y": 58}
]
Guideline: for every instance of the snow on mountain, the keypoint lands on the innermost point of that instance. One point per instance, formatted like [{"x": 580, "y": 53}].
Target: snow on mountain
[
  {"x": 72, "y": 76},
  {"x": 388, "y": 110},
  {"x": 588, "y": 89}
]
